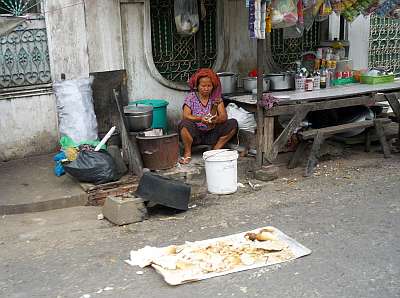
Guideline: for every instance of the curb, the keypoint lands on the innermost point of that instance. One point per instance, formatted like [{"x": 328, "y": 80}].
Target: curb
[{"x": 64, "y": 202}]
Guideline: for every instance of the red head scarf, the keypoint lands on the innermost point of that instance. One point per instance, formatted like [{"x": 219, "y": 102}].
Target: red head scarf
[{"x": 206, "y": 72}]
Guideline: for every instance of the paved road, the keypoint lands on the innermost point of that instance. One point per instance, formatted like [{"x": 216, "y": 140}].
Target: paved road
[{"x": 348, "y": 214}]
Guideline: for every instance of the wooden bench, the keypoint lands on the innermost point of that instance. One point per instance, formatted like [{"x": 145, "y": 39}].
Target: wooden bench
[{"x": 319, "y": 136}]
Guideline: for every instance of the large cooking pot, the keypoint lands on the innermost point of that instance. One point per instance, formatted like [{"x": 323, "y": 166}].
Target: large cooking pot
[
  {"x": 250, "y": 83},
  {"x": 280, "y": 81},
  {"x": 228, "y": 81},
  {"x": 138, "y": 117},
  {"x": 159, "y": 152}
]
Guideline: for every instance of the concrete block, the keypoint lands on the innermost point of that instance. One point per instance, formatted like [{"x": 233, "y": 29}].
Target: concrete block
[
  {"x": 266, "y": 173},
  {"x": 124, "y": 210}
]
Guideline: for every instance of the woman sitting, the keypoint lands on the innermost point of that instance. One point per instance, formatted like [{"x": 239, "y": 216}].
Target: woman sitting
[{"x": 204, "y": 116}]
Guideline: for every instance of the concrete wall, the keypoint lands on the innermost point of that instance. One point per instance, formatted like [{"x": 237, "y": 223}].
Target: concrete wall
[
  {"x": 28, "y": 126},
  {"x": 141, "y": 83},
  {"x": 240, "y": 52},
  {"x": 67, "y": 39},
  {"x": 104, "y": 37}
]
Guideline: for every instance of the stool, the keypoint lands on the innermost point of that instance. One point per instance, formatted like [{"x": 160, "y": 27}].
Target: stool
[{"x": 319, "y": 135}]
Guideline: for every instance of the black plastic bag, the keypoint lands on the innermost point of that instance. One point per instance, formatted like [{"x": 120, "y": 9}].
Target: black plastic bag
[{"x": 93, "y": 166}]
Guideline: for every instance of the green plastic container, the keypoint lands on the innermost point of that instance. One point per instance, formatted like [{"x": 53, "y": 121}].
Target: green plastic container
[
  {"x": 377, "y": 80},
  {"x": 343, "y": 81},
  {"x": 159, "y": 111}
]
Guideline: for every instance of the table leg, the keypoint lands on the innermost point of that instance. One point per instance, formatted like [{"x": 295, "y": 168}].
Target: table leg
[
  {"x": 283, "y": 138},
  {"x": 395, "y": 105},
  {"x": 314, "y": 154},
  {"x": 382, "y": 138},
  {"x": 268, "y": 134}
]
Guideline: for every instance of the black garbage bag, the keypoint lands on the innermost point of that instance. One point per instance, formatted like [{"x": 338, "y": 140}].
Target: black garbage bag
[{"x": 93, "y": 166}]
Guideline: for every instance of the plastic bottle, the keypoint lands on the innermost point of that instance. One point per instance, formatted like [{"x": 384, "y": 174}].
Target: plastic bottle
[{"x": 300, "y": 78}]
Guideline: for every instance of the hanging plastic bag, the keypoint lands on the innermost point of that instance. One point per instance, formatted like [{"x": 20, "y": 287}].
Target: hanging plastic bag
[
  {"x": 76, "y": 116},
  {"x": 297, "y": 30},
  {"x": 317, "y": 6},
  {"x": 284, "y": 13},
  {"x": 186, "y": 16},
  {"x": 308, "y": 4},
  {"x": 93, "y": 166},
  {"x": 386, "y": 8},
  {"x": 324, "y": 11},
  {"x": 245, "y": 119},
  {"x": 372, "y": 7},
  {"x": 337, "y": 6}
]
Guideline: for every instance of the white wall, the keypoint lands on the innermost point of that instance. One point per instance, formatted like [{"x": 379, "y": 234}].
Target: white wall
[
  {"x": 28, "y": 126},
  {"x": 358, "y": 34}
]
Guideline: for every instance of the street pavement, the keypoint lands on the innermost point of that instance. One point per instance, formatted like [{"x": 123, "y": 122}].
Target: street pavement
[{"x": 348, "y": 214}]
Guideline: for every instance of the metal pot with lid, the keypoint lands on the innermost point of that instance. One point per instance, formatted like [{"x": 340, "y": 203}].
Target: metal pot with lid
[
  {"x": 138, "y": 117},
  {"x": 228, "y": 81},
  {"x": 280, "y": 81}
]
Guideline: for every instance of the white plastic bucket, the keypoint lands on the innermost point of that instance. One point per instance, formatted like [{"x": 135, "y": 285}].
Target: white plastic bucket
[{"x": 221, "y": 170}]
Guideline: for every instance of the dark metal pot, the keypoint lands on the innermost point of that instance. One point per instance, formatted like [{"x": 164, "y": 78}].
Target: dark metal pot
[
  {"x": 159, "y": 153},
  {"x": 228, "y": 81},
  {"x": 139, "y": 117},
  {"x": 280, "y": 81}
]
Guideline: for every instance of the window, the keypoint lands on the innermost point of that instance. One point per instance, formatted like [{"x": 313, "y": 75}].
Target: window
[
  {"x": 19, "y": 7},
  {"x": 177, "y": 57}
]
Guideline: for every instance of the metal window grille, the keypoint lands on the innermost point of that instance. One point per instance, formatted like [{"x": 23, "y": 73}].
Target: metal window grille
[
  {"x": 19, "y": 7},
  {"x": 384, "y": 43},
  {"x": 24, "y": 56},
  {"x": 177, "y": 57},
  {"x": 286, "y": 51}
]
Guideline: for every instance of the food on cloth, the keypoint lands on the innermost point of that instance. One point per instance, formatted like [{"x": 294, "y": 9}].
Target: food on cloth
[
  {"x": 262, "y": 235},
  {"x": 218, "y": 256},
  {"x": 251, "y": 236},
  {"x": 194, "y": 261}
]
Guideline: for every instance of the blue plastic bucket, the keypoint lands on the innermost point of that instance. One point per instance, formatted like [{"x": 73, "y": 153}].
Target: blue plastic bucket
[{"x": 159, "y": 111}]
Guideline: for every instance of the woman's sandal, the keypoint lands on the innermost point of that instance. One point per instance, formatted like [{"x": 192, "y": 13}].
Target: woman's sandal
[{"x": 185, "y": 160}]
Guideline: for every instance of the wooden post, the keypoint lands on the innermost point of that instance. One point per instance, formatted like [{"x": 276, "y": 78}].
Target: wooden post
[
  {"x": 260, "y": 109},
  {"x": 268, "y": 134}
]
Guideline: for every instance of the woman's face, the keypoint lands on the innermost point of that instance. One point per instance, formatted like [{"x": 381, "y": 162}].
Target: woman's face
[{"x": 205, "y": 86}]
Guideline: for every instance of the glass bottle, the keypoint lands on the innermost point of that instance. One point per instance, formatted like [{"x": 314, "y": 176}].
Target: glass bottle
[{"x": 323, "y": 75}]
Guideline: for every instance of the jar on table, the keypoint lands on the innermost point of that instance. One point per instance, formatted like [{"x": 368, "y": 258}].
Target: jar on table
[
  {"x": 309, "y": 85},
  {"x": 300, "y": 83}
]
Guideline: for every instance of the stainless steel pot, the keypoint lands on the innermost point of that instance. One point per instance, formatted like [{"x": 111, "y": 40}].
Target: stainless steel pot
[
  {"x": 280, "y": 81},
  {"x": 228, "y": 81},
  {"x": 250, "y": 83},
  {"x": 139, "y": 118}
]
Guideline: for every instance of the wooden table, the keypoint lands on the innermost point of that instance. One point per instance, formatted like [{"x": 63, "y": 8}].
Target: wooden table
[{"x": 298, "y": 104}]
